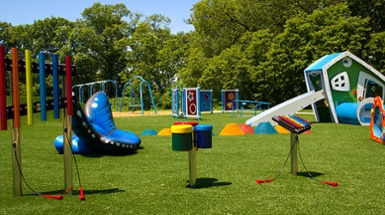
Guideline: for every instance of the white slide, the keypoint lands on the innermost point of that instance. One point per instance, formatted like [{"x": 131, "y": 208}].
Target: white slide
[{"x": 289, "y": 107}]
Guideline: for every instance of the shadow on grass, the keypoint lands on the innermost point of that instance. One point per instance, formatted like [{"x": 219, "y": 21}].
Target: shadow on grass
[
  {"x": 112, "y": 153},
  {"x": 106, "y": 191},
  {"x": 309, "y": 174},
  {"x": 77, "y": 192},
  {"x": 207, "y": 182}
]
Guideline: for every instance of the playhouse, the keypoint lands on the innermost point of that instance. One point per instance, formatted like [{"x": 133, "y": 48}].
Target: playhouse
[
  {"x": 349, "y": 85},
  {"x": 341, "y": 88}
]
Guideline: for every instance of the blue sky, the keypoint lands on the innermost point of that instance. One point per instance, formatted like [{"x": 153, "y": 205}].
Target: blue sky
[{"x": 19, "y": 12}]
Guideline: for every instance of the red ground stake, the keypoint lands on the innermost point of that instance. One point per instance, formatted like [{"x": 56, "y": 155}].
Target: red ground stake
[
  {"x": 331, "y": 183},
  {"x": 259, "y": 181},
  {"x": 82, "y": 196},
  {"x": 59, "y": 197}
]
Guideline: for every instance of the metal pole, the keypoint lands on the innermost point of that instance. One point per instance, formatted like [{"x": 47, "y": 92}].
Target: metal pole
[
  {"x": 192, "y": 161},
  {"x": 67, "y": 127},
  {"x": 16, "y": 143},
  {"x": 293, "y": 153}
]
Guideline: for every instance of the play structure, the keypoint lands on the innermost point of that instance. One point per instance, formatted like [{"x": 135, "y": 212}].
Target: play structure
[
  {"x": 16, "y": 110},
  {"x": 135, "y": 100},
  {"x": 377, "y": 121},
  {"x": 189, "y": 137},
  {"x": 341, "y": 88},
  {"x": 191, "y": 102},
  {"x": 86, "y": 90},
  {"x": 95, "y": 130}
]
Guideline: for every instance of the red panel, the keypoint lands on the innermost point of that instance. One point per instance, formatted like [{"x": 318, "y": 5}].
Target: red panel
[{"x": 192, "y": 102}]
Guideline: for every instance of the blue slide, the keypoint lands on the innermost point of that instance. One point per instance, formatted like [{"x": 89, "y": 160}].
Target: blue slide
[{"x": 95, "y": 131}]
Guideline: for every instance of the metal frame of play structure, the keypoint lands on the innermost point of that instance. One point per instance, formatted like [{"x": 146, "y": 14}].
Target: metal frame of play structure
[
  {"x": 175, "y": 102},
  {"x": 16, "y": 110},
  {"x": 91, "y": 87},
  {"x": 135, "y": 100},
  {"x": 232, "y": 102},
  {"x": 191, "y": 102},
  {"x": 257, "y": 106},
  {"x": 134, "y": 97},
  {"x": 187, "y": 101},
  {"x": 341, "y": 88}
]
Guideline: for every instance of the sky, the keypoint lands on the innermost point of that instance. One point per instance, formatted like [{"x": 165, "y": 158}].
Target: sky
[{"x": 19, "y": 12}]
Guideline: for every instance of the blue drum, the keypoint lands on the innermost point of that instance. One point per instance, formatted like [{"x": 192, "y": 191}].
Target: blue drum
[{"x": 203, "y": 134}]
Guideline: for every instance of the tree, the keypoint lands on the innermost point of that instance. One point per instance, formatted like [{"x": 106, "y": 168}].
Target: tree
[
  {"x": 49, "y": 35},
  {"x": 5, "y": 36},
  {"x": 99, "y": 41},
  {"x": 171, "y": 58},
  {"x": 196, "y": 62},
  {"x": 370, "y": 8},
  {"x": 305, "y": 39},
  {"x": 232, "y": 68},
  {"x": 221, "y": 23},
  {"x": 374, "y": 51},
  {"x": 155, "y": 54}
]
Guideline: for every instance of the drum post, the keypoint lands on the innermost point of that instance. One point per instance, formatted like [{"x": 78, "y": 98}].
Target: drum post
[{"x": 293, "y": 153}]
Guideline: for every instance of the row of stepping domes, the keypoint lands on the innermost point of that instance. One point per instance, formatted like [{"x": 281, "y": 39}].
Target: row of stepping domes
[{"x": 232, "y": 129}]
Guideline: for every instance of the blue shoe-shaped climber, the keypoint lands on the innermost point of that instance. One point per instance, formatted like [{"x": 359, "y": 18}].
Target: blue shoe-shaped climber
[
  {"x": 98, "y": 111},
  {"x": 95, "y": 129}
]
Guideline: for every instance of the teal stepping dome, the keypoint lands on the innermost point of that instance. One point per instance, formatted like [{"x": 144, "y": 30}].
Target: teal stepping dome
[
  {"x": 149, "y": 132},
  {"x": 265, "y": 128}
]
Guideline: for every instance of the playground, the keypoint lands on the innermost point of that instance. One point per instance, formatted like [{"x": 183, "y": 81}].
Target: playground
[
  {"x": 181, "y": 171},
  {"x": 154, "y": 180}
]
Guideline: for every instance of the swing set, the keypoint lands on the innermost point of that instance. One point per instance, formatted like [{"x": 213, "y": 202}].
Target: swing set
[
  {"x": 86, "y": 90},
  {"x": 136, "y": 101}
]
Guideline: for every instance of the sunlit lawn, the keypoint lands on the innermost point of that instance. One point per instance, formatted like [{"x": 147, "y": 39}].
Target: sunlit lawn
[{"x": 155, "y": 179}]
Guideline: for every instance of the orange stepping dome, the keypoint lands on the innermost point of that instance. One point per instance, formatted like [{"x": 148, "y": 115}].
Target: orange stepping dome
[
  {"x": 247, "y": 129},
  {"x": 232, "y": 129},
  {"x": 265, "y": 128},
  {"x": 165, "y": 132},
  {"x": 281, "y": 130},
  {"x": 307, "y": 132}
]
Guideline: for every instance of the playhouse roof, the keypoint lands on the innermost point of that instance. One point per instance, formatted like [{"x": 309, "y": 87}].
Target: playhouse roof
[
  {"x": 320, "y": 63},
  {"x": 328, "y": 60}
]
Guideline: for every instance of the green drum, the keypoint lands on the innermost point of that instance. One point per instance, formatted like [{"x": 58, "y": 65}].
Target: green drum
[{"x": 181, "y": 137}]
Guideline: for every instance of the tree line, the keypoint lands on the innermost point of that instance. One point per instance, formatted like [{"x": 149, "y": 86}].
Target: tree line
[{"x": 260, "y": 47}]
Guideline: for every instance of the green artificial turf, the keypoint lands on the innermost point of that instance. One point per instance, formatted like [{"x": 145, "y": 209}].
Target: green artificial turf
[{"x": 155, "y": 179}]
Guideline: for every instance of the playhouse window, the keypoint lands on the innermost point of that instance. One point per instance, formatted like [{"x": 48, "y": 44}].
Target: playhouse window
[{"x": 316, "y": 80}]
